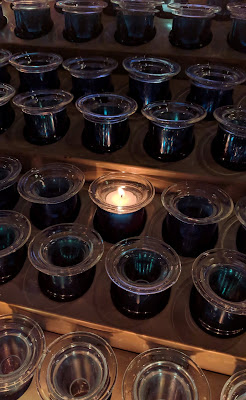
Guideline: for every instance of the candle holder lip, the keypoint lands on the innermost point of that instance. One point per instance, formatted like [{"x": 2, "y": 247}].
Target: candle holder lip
[
  {"x": 20, "y": 227},
  {"x": 38, "y": 250},
  {"x": 90, "y": 67},
  {"x": 5, "y": 56},
  {"x": 30, "y": 331},
  {"x": 12, "y": 167},
  {"x": 164, "y": 360},
  {"x": 174, "y": 114},
  {"x": 29, "y": 4},
  {"x": 138, "y": 5},
  {"x": 193, "y": 10},
  {"x": 82, "y": 6},
  {"x": 232, "y": 118},
  {"x": 215, "y": 76},
  {"x": 237, "y": 10},
  {"x": 35, "y": 62},
  {"x": 114, "y": 264},
  {"x": 207, "y": 264},
  {"x": 73, "y": 342},
  {"x": 240, "y": 210},
  {"x": 235, "y": 386},
  {"x": 29, "y": 183},
  {"x": 136, "y": 184},
  {"x": 93, "y": 107},
  {"x": 220, "y": 201},
  {"x": 6, "y": 93},
  {"x": 151, "y": 69}
]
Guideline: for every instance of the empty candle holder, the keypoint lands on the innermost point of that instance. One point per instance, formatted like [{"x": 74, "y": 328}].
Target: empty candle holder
[
  {"x": 65, "y": 256},
  {"x": 170, "y": 134},
  {"x": 90, "y": 74},
  {"x": 5, "y": 56},
  {"x": 166, "y": 374},
  {"x": 121, "y": 199},
  {"x": 142, "y": 271},
  {"x": 10, "y": 169},
  {"x": 193, "y": 213},
  {"x": 218, "y": 298},
  {"x": 22, "y": 343},
  {"x": 212, "y": 85},
  {"x": 7, "y": 114},
  {"x": 237, "y": 35},
  {"x": 240, "y": 210},
  {"x": 78, "y": 364},
  {"x": 149, "y": 78},
  {"x": 235, "y": 387},
  {"x": 106, "y": 127},
  {"x": 45, "y": 114},
  {"x": 37, "y": 70},
  {"x": 3, "y": 19},
  {"x": 53, "y": 191},
  {"x": 82, "y": 19}
]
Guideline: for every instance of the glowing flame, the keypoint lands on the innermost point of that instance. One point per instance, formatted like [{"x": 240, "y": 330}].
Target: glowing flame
[{"x": 121, "y": 192}]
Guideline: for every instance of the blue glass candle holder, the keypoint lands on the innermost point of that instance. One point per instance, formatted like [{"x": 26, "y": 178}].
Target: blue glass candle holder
[
  {"x": 7, "y": 114},
  {"x": 149, "y": 78},
  {"x": 78, "y": 364},
  {"x": 193, "y": 213},
  {"x": 191, "y": 27},
  {"x": 235, "y": 386},
  {"x": 212, "y": 85},
  {"x": 10, "y": 169},
  {"x": 3, "y": 19},
  {"x": 218, "y": 298},
  {"x": 142, "y": 271},
  {"x": 15, "y": 230},
  {"x": 37, "y": 70},
  {"x": 90, "y": 74},
  {"x": 240, "y": 210},
  {"x": 106, "y": 127},
  {"x": 82, "y": 19},
  {"x": 237, "y": 35},
  {"x": 22, "y": 343},
  {"x": 53, "y": 191},
  {"x": 45, "y": 114},
  {"x": 170, "y": 135},
  {"x": 32, "y": 18},
  {"x": 120, "y": 200},
  {"x": 65, "y": 256},
  {"x": 5, "y": 56}
]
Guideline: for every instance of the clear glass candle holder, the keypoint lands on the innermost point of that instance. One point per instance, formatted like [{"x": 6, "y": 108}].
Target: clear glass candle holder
[
  {"x": 10, "y": 169},
  {"x": 106, "y": 127},
  {"x": 235, "y": 387},
  {"x": 191, "y": 27},
  {"x": 218, "y": 298},
  {"x": 90, "y": 74},
  {"x": 65, "y": 256},
  {"x": 149, "y": 78},
  {"x": 53, "y": 191},
  {"x": 37, "y": 70},
  {"x": 3, "y": 19},
  {"x": 193, "y": 212},
  {"x": 142, "y": 271},
  {"x": 237, "y": 35},
  {"x": 7, "y": 114},
  {"x": 170, "y": 134},
  {"x": 32, "y": 18},
  {"x": 45, "y": 114},
  {"x": 82, "y": 19},
  {"x": 15, "y": 230},
  {"x": 212, "y": 85},
  {"x": 5, "y": 56},
  {"x": 240, "y": 210},
  {"x": 22, "y": 343},
  {"x": 166, "y": 374},
  {"x": 121, "y": 199},
  {"x": 77, "y": 365}
]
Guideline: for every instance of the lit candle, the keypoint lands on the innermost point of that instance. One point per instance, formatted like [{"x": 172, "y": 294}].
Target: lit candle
[{"x": 121, "y": 198}]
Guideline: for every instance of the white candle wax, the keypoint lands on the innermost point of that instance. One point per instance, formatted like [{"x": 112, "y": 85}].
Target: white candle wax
[{"x": 121, "y": 198}]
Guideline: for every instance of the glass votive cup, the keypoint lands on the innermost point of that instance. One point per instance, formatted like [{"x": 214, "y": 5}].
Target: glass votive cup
[
  {"x": 10, "y": 169},
  {"x": 170, "y": 134},
  {"x": 165, "y": 373},
  {"x": 3, "y": 19},
  {"x": 77, "y": 365},
  {"x": 106, "y": 127},
  {"x": 237, "y": 35},
  {"x": 142, "y": 271},
  {"x": 37, "y": 70},
  {"x": 149, "y": 78},
  {"x": 218, "y": 298},
  {"x": 235, "y": 387},
  {"x": 82, "y": 19},
  {"x": 191, "y": 27},
  {"x": 121, "y": 199},
  {"x": 5, "y": 56},
  {"x": 240, "y": 210},
  {"x": 45, "y": 114},
  {"x": 15, "y": 230},
  {"x": 90, "y": 74},
  {"x": 65, "y": 256},
  {"x": 53, "y": 191},
  {"x": 194, "y": 210},
  {"x": 212, "y": 85},
  {"x": 7, "y": 114},
  {"x": 32, "y": 18},
  {"x": 22, "y": 343}
]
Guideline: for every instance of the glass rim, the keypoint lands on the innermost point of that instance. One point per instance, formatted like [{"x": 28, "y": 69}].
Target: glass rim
[
  {"x": 226, "y": 114},
  {"x": 30, "y": 4},
  {"x": 17, "y": 62},
  {"x": 108, "y": 65},
  {"x": 82, "y": 6},
  {"x": 172, "y": 194},
  {"x": 240, "y": 210},
  {"x": 38, "y": 248},
  {"x": 200, "y": 278},
  {"x": 15, "y": 170},
  {"x": 138, "y": 5},
  {"x": 152, "y": 244},
  {"x": 237, "y": 10},
  {"x": 20, "y": 224},
  {"x": 232, "y": 385},
  {"x": 9, "y": 93},
  {"x": 4, "y": 57},
  {"x": 188, "y": 10},
  {"x": 53, "y": 170}
]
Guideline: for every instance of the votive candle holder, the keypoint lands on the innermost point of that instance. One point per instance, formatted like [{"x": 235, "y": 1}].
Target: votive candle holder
[
  {"x": 235, "y": 386},
  {"x": 10, "y": 169},
  {"x": 5, "y": 56},
  {"x": 7, "y": 114},
  {"x": 237, "y": 36}
]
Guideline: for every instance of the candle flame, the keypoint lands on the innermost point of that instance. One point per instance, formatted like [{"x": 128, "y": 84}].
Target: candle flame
[{"x": 121, "y": 192}]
